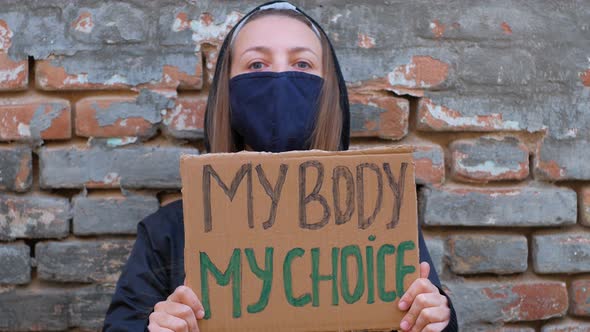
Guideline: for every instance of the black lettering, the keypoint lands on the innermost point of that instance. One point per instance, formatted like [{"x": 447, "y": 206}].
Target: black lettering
[
  {"x": 273, "y": 193},
  {"x": 313, "y": 196},
  {"x": 208, "y": 172}
]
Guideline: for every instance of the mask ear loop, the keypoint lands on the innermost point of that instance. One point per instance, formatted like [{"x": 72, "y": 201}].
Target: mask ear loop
[{"x": 277, "y": 5}]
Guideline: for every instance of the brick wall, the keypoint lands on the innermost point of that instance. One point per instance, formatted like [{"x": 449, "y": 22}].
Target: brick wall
[{"x": 99, "y": 99}]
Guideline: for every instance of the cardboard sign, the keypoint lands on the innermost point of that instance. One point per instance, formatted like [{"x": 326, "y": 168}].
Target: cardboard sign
[{"x": 300, "y": 241}]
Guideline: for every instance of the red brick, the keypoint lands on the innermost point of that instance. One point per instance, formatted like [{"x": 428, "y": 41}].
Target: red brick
[
  {"x": 186, "y": 120},
  {"x": 33, "y": 118},
  {"x": 422, "y": 73},
  {"x": 14, "y": 75},
  {"x": 580, "y": 297},
  {"x": 378, "y": 115},
  {"x": 91, "y": 114}
]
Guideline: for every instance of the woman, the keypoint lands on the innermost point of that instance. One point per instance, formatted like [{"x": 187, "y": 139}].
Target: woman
[{"x": 286, "y": 92}]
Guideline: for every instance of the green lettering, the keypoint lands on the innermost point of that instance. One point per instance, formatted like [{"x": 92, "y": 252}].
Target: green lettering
[
  {"x": 402, "y": 270},
  {"x": 384, "y": 295},
  {"x": 359, "y": 289},
  {"x": 264, "y": 275},
  {"x": 370, "y": 272},
  {"x": 233, "y": 273},
  {"x": 288, "y": 279},
  {"x": 316, "y": 277}
]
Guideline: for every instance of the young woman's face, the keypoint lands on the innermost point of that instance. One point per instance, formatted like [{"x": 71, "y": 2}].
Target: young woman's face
[{"x": 276, "y": 43}]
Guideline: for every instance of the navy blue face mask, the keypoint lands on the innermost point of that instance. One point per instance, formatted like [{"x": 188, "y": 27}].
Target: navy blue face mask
[{"x": 274, "y": 111}]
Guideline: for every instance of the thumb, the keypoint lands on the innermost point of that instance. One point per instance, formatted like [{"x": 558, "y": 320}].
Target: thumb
[{"x": 424, "y": 270}]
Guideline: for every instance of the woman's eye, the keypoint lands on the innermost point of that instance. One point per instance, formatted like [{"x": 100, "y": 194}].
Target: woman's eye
[
  {"x": 256, "y": 65},
  {"x": 303, "y": 65}
]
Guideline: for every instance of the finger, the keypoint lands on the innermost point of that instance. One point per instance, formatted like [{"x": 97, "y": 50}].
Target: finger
[
  {"x": 181, "y": 311},
  {"x": 429, "y": 315},
  {"x": 154, "y": 327},
  {"x": 185, "y": 295},
  {"x": 168, "y": 321},
  {"x": 435, "y": 327},
  {"x": 422, "y": 302},
  {"x": 419, "y": 286},
  {"x": 424, "y": 270}
]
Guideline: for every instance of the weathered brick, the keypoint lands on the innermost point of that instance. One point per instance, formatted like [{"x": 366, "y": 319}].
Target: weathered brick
[
  {"x": 119, "y": 116},
  {"x": 34, "y": 118},
  {"x": 123, "y": 70},
  {"x": 33, "y": 217},
  {"x": 430, "y": 163},
  {"x": 34, "y": 309},
  {"x": 14, "y": 75},
  {"x": 82, "y": 261},
  {"x": 15, "y": 261},
  {"x": 375, "y": 114},
  {"x": 423, "y": 72},
  {"x": 99, "y": 167},
  {"x": 507, "y": 301},
  {"x": 16, "y": 168},
  {"x": 499, "y": 254},
  {"x": 111, "y": 215},
  {"x": 567, "y": 326},
  {"x": 89, "y": 305},
  {"x": 186, "y": 119},
  {"x": 559, "y": 159},
  {"x": 489, "y": 159},
  {"x": 441, "y": 116},
  {"x": 429, "y": 158},
  {"x": 585, "y": 206},
  {"x": 561, "y": 252},
  {"x": 500, "y": 207},
  {"x": 580, "y": 297},
  {"x": 436, "y": 249},
  {"x": 114, "y": 24}
]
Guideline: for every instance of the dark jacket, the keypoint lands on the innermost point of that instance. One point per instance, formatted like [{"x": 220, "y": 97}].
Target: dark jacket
[{"x": 156, "y": 264}]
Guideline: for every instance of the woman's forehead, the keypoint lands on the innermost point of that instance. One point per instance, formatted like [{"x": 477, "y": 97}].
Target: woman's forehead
[{"x": 276, "y": 31}]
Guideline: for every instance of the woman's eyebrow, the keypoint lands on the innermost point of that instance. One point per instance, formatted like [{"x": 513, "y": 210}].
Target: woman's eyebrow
[{"x": 265, "y": 49}]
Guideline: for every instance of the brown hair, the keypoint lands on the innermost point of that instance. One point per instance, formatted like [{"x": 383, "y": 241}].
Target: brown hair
[{"x": 328, "y": 125}]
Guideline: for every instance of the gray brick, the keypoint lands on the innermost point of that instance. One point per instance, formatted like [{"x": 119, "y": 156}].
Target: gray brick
[
  {"x": 111, "y": 215},
  {"x": 16, "y": 168},
  {"x": 99, "y": 167},
  {"x": 39, "y": 309},
  {"x": 436, "y": 249},
  {"x": 499, "y": 207},
  {"x": 499, "y": 254},
  {"x": 33, "y": 217},
  {"x": 559, "y": 159},
  {"x": 561, "y": 252},
  {"x": 89, "y": 305},
  {"x": 82, "y": 261},
  {"x": 15, "y": 263},
  {"x": 489, "y": 159}
]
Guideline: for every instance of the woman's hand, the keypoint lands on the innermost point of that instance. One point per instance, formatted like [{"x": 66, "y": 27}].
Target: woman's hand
[
  {"x": 179, "y": 313},
  {"x": 429, "y": 310}
]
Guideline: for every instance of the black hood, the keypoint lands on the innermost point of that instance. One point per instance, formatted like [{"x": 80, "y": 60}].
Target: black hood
[{"x": 345, "y": 136}]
